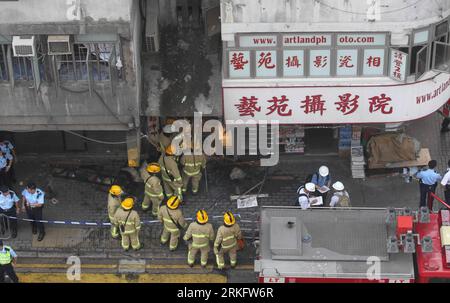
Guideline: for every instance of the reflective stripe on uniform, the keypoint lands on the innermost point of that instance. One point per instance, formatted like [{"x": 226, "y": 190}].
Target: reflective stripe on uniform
[
  {"x": 191, "y": 174},
  {"x": 229, "y": 246},
  {"x": 154, "y": 195},
  {"x": 169, "y": 228},
  {"x": 195, "y": 245}
]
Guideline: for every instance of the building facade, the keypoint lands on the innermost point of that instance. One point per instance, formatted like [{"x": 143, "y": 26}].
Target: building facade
[{"x": 332, "y": 63}]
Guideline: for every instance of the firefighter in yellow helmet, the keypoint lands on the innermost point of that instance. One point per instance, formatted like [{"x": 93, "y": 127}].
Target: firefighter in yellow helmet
[
  {"x": 226, "y": 240},
  {"x": 129, "y": 224},
  {"x": 170, "y": 173},
  {"x": 192, "y": 169},
  {"x": 153, "y": 191},
  {"x": 114, "y": 199},
  {"x": 173, "y": 221},
  {"x": 201, "y": 233}
]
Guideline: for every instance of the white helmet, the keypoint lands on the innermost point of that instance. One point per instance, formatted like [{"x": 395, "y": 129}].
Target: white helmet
[
  {"x": 338, "y": 186},
  {"x": 310, "y": 187},
  {"x": 324, "y": 171}
]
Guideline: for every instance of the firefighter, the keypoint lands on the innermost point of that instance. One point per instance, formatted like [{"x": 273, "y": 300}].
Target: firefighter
[
  {"x": 192, "y": 169},
  {"x": 201, "y": 233},
  {"x": 129, "y": 224},
  {"x": 226, "y": 240},
  {"x": 152, "y": 187},
  {"x": 114, "y": 199},
  {"x": 170, "y": 173},
  {"x": 166, "y": 136},
  {"x": 340, "y": 197},
  {"x": 173, "y": 221}
]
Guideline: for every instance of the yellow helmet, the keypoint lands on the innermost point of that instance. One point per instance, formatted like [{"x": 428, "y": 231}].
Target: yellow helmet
[
  {"x": 127, "y": 203},
  {"x": 228, "y": 219},
  {"x": 173, "y": 202},
  {"x": 170, "y": 150},
  {"x": 153, "y": 168},
  {"x": 115, "y": 190},
  {"x": 202, "y": 216}
]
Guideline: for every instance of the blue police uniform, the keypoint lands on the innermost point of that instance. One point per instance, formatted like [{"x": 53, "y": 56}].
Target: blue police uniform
[
  {"x": 3, "y": 166},
  {"x": 7, "y": 254},
  {"x": 7, "y": 148},
  {"x": 428, "y": 181},
  {"x": 34, "y": 212},
  {"x": 8, "y": 208}
]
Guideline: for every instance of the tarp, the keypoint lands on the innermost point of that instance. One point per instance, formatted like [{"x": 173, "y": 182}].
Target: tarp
[{"x": 389, "y": 148}]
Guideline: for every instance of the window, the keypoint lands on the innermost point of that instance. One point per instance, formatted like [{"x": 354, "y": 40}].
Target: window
[
  {"x": 3, "y": 63},
  {"x": 87, "y": 61}
]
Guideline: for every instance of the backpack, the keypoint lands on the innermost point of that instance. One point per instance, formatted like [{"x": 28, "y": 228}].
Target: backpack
[{"x": 344, "y": 200}]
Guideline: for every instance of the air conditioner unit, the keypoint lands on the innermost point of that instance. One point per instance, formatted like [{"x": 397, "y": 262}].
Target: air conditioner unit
[
  {"x": 59, "y": 45},
  {"x": 24, "y": 46}
]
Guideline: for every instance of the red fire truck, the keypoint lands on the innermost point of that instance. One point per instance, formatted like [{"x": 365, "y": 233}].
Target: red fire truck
[{"x": 353, "y": 245}]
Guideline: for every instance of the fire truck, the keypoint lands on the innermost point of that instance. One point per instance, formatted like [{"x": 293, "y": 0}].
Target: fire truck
[{"x": 353, "y": 245}]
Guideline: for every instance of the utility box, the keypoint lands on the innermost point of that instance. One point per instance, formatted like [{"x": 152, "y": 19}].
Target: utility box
[{"x": 404, "y": 225}]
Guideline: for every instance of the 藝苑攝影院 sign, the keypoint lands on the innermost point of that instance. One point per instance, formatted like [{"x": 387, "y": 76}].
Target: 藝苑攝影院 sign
[{"x": 336, "y": 104}]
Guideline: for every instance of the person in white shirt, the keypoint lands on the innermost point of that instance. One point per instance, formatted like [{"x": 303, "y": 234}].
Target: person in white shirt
[
  {"x": 446, "y": 183},
  {"x": 33, "y": 202},
  {"x": 304, "y": 193},
  {"x": 340, "y": 197}
]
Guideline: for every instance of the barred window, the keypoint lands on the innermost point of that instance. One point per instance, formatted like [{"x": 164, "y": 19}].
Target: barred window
[
  {"x": 95, "y": 60},
  {"x": 4, "y": 76}
]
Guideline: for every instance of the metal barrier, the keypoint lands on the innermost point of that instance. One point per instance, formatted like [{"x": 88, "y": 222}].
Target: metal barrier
[
  {"x": 431, "y": 197},
  {"x": 5, "y": 230}
]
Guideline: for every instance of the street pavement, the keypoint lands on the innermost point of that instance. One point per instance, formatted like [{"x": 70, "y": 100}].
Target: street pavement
[{"x": 80, "y": 201}]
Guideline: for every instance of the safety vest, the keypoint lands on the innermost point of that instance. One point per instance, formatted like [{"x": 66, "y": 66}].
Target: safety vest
[{"x": 5, "y": 257}]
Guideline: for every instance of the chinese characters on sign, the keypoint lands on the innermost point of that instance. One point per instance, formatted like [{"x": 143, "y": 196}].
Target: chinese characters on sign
[
  {"x": 347, "y": 62},
  {"x": 373, "y": 62},
  {"x": 319, "y": 62},
  {"x": 398, "y": 65},
  {"x": 266, "y": 62},
  {"x": 293, "y": 63},
  {"x": 239, "y": 64}
]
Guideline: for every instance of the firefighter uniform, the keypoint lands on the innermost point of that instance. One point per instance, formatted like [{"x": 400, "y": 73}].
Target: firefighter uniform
[
  {"x": 153, "y": 191},
  {"x": 201, "y": 233},
  {"x": 129, "y": 224},
  {"x": 192, "y": 169},
  {"x": 172, "y": 219},
  {"x": 172, "y": 180},
  {"x": 226, "y": 241},
  {"x": 164, "y": 140},
  {"x": 113, "y": 205},
  {"x": 7, "y": 257}
]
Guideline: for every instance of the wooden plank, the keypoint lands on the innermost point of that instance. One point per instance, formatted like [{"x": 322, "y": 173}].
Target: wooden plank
[{"x": 422, "y": 160}]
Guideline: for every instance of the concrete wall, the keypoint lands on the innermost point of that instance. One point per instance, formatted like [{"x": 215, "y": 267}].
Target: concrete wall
[
  {"x": 42, "y": 11},
  {"x": 398, "y": 16}
]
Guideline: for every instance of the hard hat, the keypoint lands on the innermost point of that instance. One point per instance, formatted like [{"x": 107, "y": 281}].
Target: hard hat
[
  {"x": 172, "y": 150},
  {"x": 173, "y": 202},
  {"x": 153, "y": 168},
  {"x": 115, "y": 190},
  {"x": 202, "y": 216},
  {"x": 338, "y": 186},
  {"x": 310, "y": 187},
  {"x": 324, "y": 171},
  {"x": 127, "y": 203},
  {"x": 229, "y": 219}
]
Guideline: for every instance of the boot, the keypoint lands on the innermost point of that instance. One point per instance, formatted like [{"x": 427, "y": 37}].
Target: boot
[
  {"x": 41, "y": 236},
  {"x": 34, "y": 229}
]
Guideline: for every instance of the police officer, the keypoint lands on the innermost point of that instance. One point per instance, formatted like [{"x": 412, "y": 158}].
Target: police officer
[
  {"x": 9, "y": 206},
  {"x": 171, "y": 176},
  {"x": 10, "y": 154},
  {"x": 201, "y": 233},
  {"x": 8, "y": 258},
  {"x": 153, "y": 191},
  {"x": 129, "y": 224},
  {"x": 114, "y": 200},
  {"x": 173, "y": 221},
  {"x": 5, "y": 166},
  {"x": 192, "y": 170},
  {"x": 429, "y": 179},
  {"x": 226, "y": 241},
  {"x": 33, "y": 202}
]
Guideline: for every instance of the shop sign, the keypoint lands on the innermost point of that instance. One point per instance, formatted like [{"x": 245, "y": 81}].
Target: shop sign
[
  {"x": 347, "y": 62},
  {"x": 366, "y": 39},
  {"x": 266, "y": 63},
  {"x": 399, "y": 61},
  {"x": 306, "y": 40},
  {"x": 336, "y": 104},
  {"x": 258, "y": 41}
]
